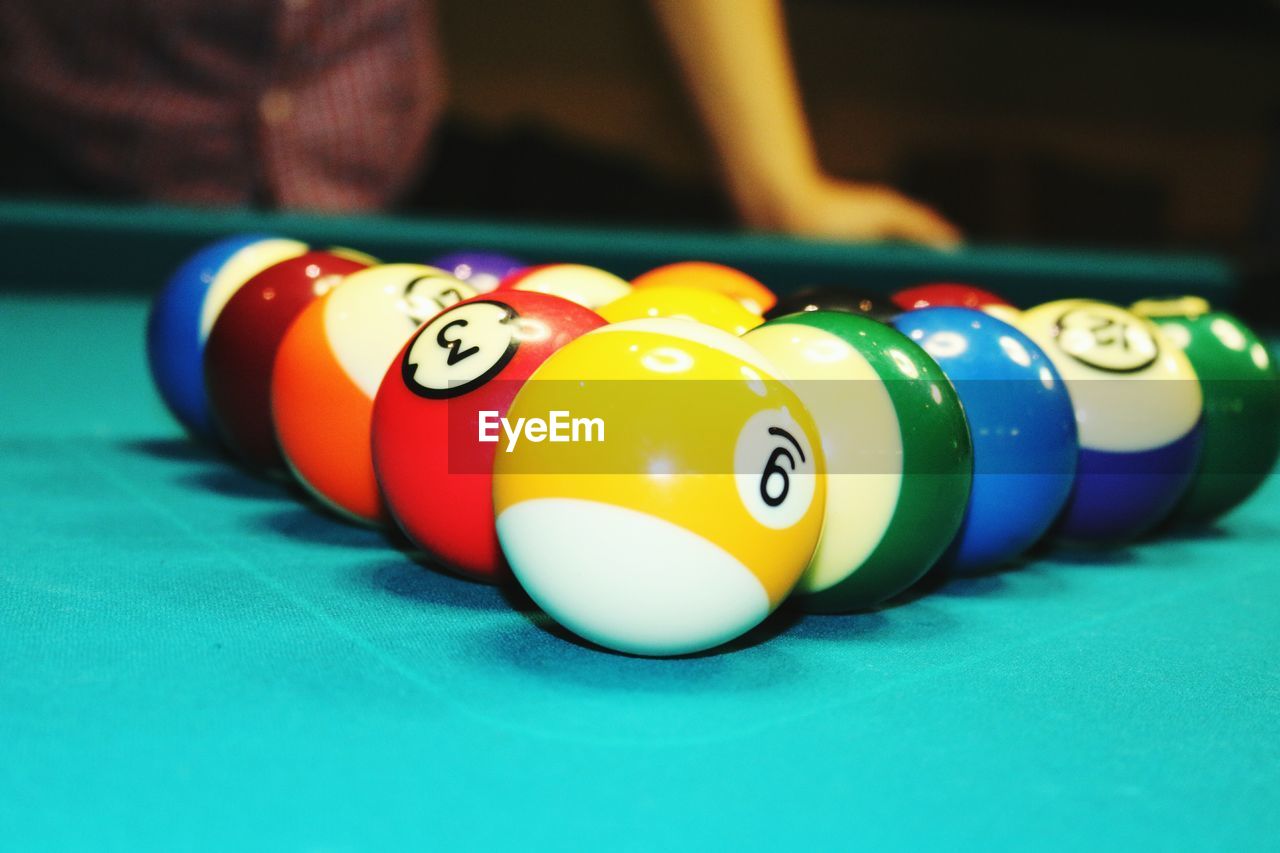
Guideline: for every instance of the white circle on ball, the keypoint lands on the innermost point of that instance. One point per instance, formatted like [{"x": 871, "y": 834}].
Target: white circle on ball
[
  {"x": 426, "y": 295},
  {"x": 1119, "y": 409},
  {"x": 461, "y": 349},
  {"x": 371, "y": 315},
  {"x": 1106, "y": 338},
  {"x": 774, "y": 468}
]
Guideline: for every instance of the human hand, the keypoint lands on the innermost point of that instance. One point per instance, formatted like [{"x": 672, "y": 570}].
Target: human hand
[{"x": 842, "y": 209}]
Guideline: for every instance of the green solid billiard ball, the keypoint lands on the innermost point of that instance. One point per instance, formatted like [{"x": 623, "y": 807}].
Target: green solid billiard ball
[{"x": 1241, "y": 403}]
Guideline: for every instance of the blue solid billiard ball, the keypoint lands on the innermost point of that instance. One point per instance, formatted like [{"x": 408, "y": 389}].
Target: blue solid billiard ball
[
  {"x": 1023, "y": 428},
  {"x": 183, "y": 313},
  {"x": 481, "y": 270}
]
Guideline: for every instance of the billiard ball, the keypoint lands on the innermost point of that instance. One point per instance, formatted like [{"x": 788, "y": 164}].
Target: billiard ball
[
  {"x": 694, "y": 517},
  {"x": 327, "y": 371},
  {"x": 1241, "y": 403},
  {"x": 737, "y": 285},
  {"x": 241, "y": 349},
  {"x": 184, "y": 310},
  {"x": 899, "y": 457},
  {"x": 1138, "y": 411},
  {"x": 1006, "y": 313},
  {"x": 689, "y": 303},
  {"x": 1022, "y": 425},
  {"x": 588, "y": 286},
  {"x": 833, "y": 298},
  {"x": 481, "y": 271},
  {"x": 433, "y": 467},
  {"x": 946, "y": 295}
]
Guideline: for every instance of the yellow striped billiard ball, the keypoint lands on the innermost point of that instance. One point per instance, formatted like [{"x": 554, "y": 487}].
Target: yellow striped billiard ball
[{"x": 692, "y": 516}]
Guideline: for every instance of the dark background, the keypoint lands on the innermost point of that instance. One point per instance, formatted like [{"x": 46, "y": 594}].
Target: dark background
[{"x": 1130, "y": 124}]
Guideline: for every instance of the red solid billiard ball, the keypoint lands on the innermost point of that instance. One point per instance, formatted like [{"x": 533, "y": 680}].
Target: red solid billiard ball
[
  {"x": 946, "y": 295},
  {"x": 241, "y": 349},
  {"x": 434, "y": 472}
]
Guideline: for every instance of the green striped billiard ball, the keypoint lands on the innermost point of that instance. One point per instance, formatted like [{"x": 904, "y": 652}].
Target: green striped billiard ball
[
  {"x": 1241, "y": 403},
  {"x": 899, "y": 456}
]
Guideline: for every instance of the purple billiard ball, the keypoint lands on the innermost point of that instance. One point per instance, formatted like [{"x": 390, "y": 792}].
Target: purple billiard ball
[{"x": 481, "y": 270}]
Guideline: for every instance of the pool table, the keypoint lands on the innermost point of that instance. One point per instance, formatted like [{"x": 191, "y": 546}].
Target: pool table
[{"x": 193, "y": 658}]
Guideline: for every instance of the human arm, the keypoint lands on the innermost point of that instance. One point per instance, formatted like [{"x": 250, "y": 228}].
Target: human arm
[{"x": 736, "y": 63}]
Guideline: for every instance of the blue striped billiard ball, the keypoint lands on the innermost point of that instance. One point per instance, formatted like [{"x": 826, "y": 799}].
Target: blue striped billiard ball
[{"x": 1139, "y": 408}]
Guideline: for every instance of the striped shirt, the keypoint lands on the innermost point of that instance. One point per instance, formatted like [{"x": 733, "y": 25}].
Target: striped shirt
[{"x": 319, "y": 104}]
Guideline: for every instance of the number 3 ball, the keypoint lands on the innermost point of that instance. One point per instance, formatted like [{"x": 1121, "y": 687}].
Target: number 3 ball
[
  {"x": 433, "y": 471},
  {"x": 1138, "y": 408},
  {"x": 327, "y": 372},
  {"x": 696, "y": 514}
]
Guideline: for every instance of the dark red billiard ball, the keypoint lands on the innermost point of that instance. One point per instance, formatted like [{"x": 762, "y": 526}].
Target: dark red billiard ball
[
  {"x": 434, "y": 471},
  {"x": 947, "y": 295},
  {"x": 241, "y": 349}
]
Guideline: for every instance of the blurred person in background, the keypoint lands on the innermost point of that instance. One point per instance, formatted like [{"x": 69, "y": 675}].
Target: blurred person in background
[{"x": 332, "y": 105}]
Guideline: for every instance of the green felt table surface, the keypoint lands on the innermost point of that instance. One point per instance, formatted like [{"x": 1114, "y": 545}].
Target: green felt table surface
[{"x": 191, "y": 658}]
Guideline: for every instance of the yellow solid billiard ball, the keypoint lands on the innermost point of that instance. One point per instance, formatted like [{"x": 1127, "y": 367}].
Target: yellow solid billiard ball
[
  {"x": 718, "y": 278},
  {"x": 690, "y": 303},
  {"x": 692, "y": 511}
]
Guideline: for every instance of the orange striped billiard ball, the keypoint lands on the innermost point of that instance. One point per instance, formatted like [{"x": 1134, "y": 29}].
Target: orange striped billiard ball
[{"x": 328, "y": 369}]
